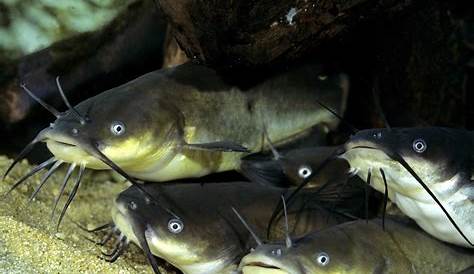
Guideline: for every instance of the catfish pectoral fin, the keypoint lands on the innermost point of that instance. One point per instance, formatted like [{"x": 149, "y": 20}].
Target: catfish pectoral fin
[
  {"x": 225, "y": 146},
  {"x": 267, "y": 173}
]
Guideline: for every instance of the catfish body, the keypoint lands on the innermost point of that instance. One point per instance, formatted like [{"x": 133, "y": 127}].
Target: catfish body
[
  {"x": 175, "y": 123},
  {"x": 442, "y": 158},
  {"x": 291, "y": 167},
  {"x": 202, "y": 234},
  {"x": 360, "y": 247}
]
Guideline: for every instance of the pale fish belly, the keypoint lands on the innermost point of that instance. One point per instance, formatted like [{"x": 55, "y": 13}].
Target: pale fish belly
[
  {"x": 181, "y": 166},
  {"x": 183, "y": 257},
  {"x": 416, "y": 203},
  {"x": 430, "y": 217}
]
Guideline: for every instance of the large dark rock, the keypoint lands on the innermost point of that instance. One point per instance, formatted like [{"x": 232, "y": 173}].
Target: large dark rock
[
  {"x": 129, "y": 46},
  {"x": 248, "y": 33}
]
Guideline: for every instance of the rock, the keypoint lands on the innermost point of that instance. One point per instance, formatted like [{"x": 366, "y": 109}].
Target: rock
[
  {"x": 250, "y": 33},
  {"x": 129, "y": 46}
]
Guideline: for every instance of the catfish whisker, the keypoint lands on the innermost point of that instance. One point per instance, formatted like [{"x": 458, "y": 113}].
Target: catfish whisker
[
  {"x": 72, "y": 194},
  {"x": 117, "y": 244},
  {"x": 394, "y": 155},
  {"x": 45, "y": 178},
  {"x": 94, "y": 150},
  {"x": 276, "y": 154},
  {"x": 288, "y": 241},
  {"x": 366, "y": 192},
  {"x": 352, "y": 172},
  {"x": 96, "y": 229},
  {"x": 397, "y": 157},
  {"x": 107, "y": 237},
  {"x": 32, "y": 172},
  {"x": 348, "y": 125},
  {"x": 242, "y": 220},
  {"x": 23, "y": 154},
  {"x": 120, "y": 246},
  {"x": 63, "y": 187},
  {"x": 385, "y": 197},
  {"x": 279, "y": 206},
  {"x": 48, "y": 107},
  {"x": 123, "y": 246},
  {"x": 99, "y": 228},
  {"x": 109, "y": 226},
  {"x": 82, "y": 120},
  {"x": 139, "y": 230}
]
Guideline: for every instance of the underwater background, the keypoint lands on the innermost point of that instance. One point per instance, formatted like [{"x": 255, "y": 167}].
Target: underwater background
[{"x": 410, "y": 64}]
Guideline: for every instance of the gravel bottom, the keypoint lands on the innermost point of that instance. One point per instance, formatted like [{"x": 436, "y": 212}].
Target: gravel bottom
[{"x": 29, "y": 242}]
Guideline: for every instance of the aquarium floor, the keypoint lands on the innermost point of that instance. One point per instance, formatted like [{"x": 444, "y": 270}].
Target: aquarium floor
[{"x": 29, "y": 242}]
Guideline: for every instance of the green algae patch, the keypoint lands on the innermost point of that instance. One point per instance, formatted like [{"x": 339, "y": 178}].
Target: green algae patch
[{"x": 29, "y": 242}]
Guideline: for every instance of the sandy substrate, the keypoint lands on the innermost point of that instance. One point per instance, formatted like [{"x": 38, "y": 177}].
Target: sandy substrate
[{"x": 29, "y": 242}]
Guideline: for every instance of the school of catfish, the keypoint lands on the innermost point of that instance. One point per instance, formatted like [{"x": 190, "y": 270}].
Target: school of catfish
[{"x": 305, "y": 207}]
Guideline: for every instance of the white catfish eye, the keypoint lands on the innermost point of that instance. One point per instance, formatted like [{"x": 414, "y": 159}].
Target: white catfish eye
[
  {"x": 323, "y": 259},
  {"x": 304, "y": 172},
  {"x": 175, "y": 226},
  {"x": 419, "y": 145},
  {"x": 117, "y": 128}
]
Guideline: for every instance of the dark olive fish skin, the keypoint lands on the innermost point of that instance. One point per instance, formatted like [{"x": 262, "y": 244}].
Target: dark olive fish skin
[
  {"x": 360, "y": 247},
  {"x": 165, "y": 125},
  {"x": 183, "y": 122},
  {"x": 211, "y": 239},
  {"x": 443, "y": 158}
]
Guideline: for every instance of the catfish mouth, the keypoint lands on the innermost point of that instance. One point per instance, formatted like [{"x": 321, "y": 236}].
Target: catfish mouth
[
  {"x": 71, "y": 152},
  {"x": 255, "y": 263},
  {"x": 262, "y": 265},
  {"x": 262, "y": 268},
  {"x": 60, "y": 143}
]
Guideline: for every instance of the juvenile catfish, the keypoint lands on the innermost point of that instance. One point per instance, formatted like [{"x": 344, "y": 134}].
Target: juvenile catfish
[
  {"x": 427, "y": 172},
  {"x": 185, "y": 122},
  {"x": 360, "y": 247},
  {"x": 194, "y": 228},
  {"x": 292, "y": 167}
]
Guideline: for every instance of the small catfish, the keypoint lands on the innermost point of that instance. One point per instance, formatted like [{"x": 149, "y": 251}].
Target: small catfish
[
  {"x": 426, "y": 172},
  {"x": 295, "y": 167},
  {"x": 183, "y": 122},
  {"x": 360, "y": 247},
  {"x": 201, "y": 233},
  {"x": 292, "y": 167}
]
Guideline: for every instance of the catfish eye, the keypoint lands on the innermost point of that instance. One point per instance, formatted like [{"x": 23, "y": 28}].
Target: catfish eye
[
  {"x": 175, "y": 226},
  {"x": 419, "y": 145},
  {"x": 322, "y": 259},
  {"x": 304, "y": 172},
  {"x": 117, "y": 128},
  {"x": 132, "y": 205}
]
